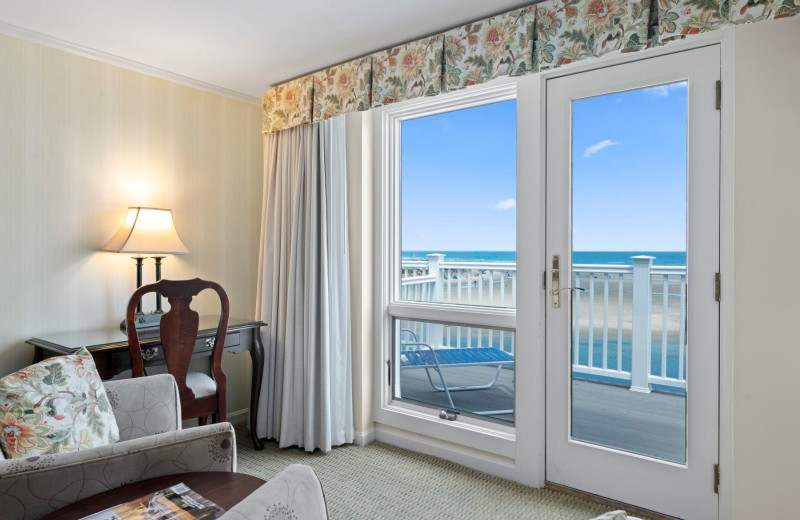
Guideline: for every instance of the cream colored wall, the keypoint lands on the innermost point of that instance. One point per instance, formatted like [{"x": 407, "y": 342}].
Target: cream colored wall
[
  {"x": 80, "y": 141},
  {"x": 767, "y": 242},
  {"x": 359, "y": 213}
]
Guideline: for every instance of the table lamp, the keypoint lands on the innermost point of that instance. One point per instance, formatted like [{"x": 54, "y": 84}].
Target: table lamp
[{"x": 147, "y": 232}]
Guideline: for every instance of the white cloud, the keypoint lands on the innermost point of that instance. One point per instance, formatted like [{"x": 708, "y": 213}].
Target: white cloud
[
  {"x": 599, "y": 146},
  {"x": 664, "y": 90},
  {"x": 504, "y": 204}
]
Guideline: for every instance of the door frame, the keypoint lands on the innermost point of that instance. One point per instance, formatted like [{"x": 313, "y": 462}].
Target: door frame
[{"x": 537, "y": 89}]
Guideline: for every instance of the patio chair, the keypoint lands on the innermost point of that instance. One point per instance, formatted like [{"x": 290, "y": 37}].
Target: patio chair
[{"x": 417, "y": 355}]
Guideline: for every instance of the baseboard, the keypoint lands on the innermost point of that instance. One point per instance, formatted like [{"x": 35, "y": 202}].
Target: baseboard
[
  {"x": 482, "y": 461},
  {"x": 239, "y": 416},
  {"x": 631, "y": 510},
  {"x": 364, "y": 438}
]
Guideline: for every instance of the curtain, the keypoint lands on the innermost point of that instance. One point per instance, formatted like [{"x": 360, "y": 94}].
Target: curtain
[{"x": 303, "y": 292}]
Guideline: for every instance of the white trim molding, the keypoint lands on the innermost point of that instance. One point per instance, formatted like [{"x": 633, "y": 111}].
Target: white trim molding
[
  {"x": 118, "y": 61},
  {"x": 238, "y": 416},
  {"x": 365, "y": 437}
]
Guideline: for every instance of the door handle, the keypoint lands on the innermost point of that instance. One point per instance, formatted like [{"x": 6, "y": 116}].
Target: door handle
[{"x": 555, "y": 287}]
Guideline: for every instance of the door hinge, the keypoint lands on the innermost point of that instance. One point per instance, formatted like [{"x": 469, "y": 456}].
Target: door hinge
[
  {"x": 716, "y": 479},
  {"x": 719, "y": 94},
  {"x": 717, "y": 287},
  {"x": 389, "y": 372},
  {"x": 544, "y": 280}
]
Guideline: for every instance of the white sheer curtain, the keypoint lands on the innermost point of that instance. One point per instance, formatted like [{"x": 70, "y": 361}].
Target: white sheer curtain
[{"x": 304, "y": 293}]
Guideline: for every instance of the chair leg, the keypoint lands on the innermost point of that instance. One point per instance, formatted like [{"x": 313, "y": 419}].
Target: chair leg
[{"x": 202, "y": 421}]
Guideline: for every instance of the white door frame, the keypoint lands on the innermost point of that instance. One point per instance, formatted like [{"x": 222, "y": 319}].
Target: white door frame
[
  {"x": 534, "y": 88},
  {"x": 602, "y": 470},
  {"x": 529, "y": 458}
]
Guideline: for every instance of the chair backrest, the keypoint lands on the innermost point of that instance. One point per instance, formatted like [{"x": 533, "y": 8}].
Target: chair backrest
[{"x": 178, "y": 329}]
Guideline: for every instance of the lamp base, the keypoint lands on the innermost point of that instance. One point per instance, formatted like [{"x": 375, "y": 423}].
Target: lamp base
[{"x": 144, "y": 321}]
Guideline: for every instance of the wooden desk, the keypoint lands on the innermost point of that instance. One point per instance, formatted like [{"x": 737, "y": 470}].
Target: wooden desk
[
  {"x": 109, "y": 348},
  {"x": 224, "y": 489}
]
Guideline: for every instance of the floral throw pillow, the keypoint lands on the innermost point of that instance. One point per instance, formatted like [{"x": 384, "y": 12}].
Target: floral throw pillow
[{"x": 55, "y": 406}]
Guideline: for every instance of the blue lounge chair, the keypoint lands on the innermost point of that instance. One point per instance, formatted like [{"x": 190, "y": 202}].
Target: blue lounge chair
[{"x": 417, "y": 355}]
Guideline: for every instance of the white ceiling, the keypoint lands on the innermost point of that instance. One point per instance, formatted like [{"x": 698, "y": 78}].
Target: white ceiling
[{"x": 242, "y": 45}]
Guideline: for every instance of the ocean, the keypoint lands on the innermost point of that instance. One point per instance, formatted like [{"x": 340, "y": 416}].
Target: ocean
[{"x": 670, "y": 258}]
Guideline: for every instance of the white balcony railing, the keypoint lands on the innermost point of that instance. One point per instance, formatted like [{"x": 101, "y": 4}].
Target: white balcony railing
[{"x": 629, "y": 321}]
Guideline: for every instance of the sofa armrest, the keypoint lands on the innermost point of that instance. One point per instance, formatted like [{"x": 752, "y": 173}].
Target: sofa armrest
[
  {"x": 145, "y": 405},
  {"x": 295, "y": 492},
  {"x": 32, "y": 487}
]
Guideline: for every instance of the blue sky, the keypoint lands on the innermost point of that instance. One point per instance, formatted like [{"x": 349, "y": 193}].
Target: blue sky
[{"x": 629, "y": 166}]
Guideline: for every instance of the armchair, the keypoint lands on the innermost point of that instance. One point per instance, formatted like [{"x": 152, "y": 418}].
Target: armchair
[{"x": 151, "y": 444}]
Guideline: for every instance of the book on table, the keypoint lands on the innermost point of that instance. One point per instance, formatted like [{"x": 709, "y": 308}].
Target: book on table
[{"x": 178, "y": 502}]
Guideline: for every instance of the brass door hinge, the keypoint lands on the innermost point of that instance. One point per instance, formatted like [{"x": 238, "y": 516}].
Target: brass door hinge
[
  {"x": 716, "y": 479},
  {"x": 719, "y": 94},
  {"x": 717, "y": 287}
]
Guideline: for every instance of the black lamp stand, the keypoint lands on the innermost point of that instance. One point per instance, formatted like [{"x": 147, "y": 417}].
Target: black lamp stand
[{"x": 158, "y": 278}]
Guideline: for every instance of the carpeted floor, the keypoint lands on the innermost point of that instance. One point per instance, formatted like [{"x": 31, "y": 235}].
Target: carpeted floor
[{"x": 380, "y": 481}]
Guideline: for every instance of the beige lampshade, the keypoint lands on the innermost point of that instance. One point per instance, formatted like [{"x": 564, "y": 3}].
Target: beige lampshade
[{"x": 147, "y": 231}]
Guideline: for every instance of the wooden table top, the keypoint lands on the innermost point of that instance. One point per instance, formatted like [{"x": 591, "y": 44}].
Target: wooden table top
[{"x": 223, "y": 488}]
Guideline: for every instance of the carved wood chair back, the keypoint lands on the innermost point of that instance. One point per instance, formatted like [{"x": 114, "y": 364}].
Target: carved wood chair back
[{"x": 178, "y": 330}]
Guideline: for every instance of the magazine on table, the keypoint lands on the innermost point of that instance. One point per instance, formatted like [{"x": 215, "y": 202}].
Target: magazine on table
[{"x": 174, "y": 503}]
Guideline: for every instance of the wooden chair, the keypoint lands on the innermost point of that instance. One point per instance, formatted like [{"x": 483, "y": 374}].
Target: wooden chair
[{"x": 200, "y": 395}]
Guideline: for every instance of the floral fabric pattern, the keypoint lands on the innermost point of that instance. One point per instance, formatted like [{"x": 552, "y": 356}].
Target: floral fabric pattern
[
  {"x": 573, "y": 30},
  {"x": 676, "y": 19},
  {"x": 498, "y": 46},
  {"x": 342, "y": 89},
  {"x": 287, "y": 105},
  {"x": 408, "y": 71},
  {"x": 58, "y": 405},
  {"x": 747, "y": 11}
]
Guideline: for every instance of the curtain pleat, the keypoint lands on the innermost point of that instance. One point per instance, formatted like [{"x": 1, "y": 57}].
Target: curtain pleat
[
  {"x": 572, "y": 30},
  {"x": 407, "y": 71},
  {"x": 342, "y": 89},
  {"x": 304, "y": 289},
  {"x": 498, "y": 46},
  {"x": 287, "y": 105}
]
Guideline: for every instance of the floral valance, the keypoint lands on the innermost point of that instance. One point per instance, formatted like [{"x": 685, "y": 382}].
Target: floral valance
[
  {"x": 407, "y": 71},
  {"x": 287, "y": 105},
  {"x": 676, "y": 19},
  {"x": 539, "y": 37},
  {"x": 498, "y": 46},
  {"x": 573, "y": 30},
  {"x": 343, "y": 88}
]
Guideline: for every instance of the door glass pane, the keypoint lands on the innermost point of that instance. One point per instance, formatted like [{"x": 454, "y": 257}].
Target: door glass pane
[
  {"x": 456, "y": 367},
  {"x": 629, "y": 348},
  {"x": 458, "y": 212}
]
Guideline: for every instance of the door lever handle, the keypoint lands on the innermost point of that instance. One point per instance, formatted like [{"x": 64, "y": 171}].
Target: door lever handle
[{"x": 556, "y": 289}]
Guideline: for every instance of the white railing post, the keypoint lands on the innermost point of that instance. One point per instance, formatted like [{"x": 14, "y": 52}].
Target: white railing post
[
  {"x": 642, "y": 323},
  {"x": 434, "y": 269}
]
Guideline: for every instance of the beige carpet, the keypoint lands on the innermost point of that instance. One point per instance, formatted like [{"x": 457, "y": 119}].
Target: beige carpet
[{"x": 380, "y": 481}]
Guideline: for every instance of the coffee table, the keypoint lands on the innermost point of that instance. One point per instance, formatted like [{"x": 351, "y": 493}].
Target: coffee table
[{"x": 223, "y": 488}]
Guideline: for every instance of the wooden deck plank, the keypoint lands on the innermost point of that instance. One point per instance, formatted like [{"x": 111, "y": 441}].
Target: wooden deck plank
[{"x": 648, "y": 424}]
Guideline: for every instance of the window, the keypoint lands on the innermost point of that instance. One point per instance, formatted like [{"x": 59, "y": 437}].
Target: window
[{"x": 450, "y": 269}]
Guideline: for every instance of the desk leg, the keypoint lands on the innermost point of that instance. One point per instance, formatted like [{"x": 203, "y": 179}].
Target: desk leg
[
  {"x": 38, "y": 354},
  {"x": 257, "y": 358}
]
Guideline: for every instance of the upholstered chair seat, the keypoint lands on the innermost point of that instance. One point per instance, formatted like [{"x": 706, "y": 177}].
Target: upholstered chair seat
[{"x": 201, "y": 384}]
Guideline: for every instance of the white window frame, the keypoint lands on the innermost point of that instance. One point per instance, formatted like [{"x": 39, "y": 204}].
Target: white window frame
[{"x": 494, "y": 438}]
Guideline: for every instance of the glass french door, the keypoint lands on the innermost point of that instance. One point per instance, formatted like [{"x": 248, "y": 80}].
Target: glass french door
[{"x": 632, "y": 245}]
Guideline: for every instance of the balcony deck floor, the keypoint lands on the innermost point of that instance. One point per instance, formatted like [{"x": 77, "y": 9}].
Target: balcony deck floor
[{"x": 649, "y": 424}]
